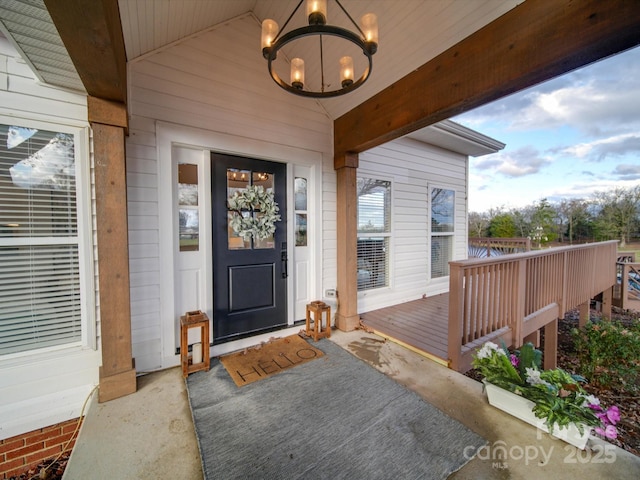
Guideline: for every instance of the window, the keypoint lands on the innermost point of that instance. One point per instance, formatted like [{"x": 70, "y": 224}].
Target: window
[
  {"x": 300, "y": 202},
  {"x": 249, "y": 217},
  {"x": 374, "y": 232},
  {"x": 442, "y": 231},
  {"x": 41, "y": 302},
  {"x": 188, "y": 212}
]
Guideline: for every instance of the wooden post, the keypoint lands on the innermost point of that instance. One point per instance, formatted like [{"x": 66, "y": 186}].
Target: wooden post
[
  {"x": 456, "y": 300},
  {"x": 117, "y": 374},
  {"x": 346, "y": 166},
  {"x": 519, "y": 292},
  {"x": 551, "y": 345},
  {"x": 607, "y": 300},
  {"x": 585, "y": 313},
  {"x": 533, "y": 338}
]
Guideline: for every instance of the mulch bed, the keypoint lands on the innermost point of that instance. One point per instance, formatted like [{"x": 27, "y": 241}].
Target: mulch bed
[
  {"x": 47, "y": 470},
  {"x": 629, "y": 425}
]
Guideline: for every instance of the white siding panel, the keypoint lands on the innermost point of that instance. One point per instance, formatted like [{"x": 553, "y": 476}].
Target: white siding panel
[
  {"x": 143, "y": 236},
  {"x": 144, "y": 261},
  {"x": 141, "y": 194},
  {"x": 148, "y": 250}
]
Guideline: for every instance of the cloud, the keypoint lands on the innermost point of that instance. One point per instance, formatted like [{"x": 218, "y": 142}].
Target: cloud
[
  {"x": 600, "y": 99},
  {"x": 517, "y": 163},
  {"x": 585, "y": 190},
  {"x": 627, "y": 172},
  {"x": 598, "y": 150}
]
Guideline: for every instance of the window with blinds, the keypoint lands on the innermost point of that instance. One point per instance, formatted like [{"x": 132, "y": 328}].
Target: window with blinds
[
  {"x": 442, "y": 204},
  {"x": 374, "y": 232},
  {"x": 40, "y": 303}
]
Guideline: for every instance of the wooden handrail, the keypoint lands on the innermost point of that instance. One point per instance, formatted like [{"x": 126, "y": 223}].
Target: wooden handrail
[{"x": 511, "y": 297}]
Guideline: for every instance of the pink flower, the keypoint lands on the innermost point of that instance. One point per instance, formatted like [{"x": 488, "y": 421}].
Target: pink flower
[
  {"x": 613, "y": 415},
  {"x": 515, "y": 361},
  {"x": 609, "y": 431}
]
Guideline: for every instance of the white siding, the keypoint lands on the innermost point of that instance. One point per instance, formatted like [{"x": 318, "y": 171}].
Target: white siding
[
  {"x": 217, "y": 82},
  {"x": 413, "y": 167},
  {"x": 144, "y": 257},
  {"x": 40, "y": 390}
]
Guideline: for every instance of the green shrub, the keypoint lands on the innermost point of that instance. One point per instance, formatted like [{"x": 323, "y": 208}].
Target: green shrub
[{"x": 609, "y": 354}]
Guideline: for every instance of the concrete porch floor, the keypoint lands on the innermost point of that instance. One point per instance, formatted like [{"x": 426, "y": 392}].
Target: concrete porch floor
[{"x": 150, "y": 434}]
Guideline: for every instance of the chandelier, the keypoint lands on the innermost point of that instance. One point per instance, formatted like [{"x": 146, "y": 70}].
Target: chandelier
[{"x": 364, "y": 41}]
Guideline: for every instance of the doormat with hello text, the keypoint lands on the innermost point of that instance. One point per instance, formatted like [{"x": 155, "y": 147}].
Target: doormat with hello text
[{"x": 267, "y": 359}]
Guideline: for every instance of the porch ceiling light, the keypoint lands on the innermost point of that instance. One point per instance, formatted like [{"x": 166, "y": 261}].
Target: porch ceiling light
[{"x": 366, "y": 40}]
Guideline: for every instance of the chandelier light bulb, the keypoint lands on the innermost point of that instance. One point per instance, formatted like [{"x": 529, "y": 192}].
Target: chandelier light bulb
[
  {"x": 346, "y": 71},
  {"x": 269, "y": 32},
  {"x": 317, "y": 12},
  {"x": 297, "y": 73},
  {"x": 369, "y": 25}
]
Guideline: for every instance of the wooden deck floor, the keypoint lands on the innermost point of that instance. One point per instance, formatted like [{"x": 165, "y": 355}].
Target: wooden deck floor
[{"x": 420, "y": 324}]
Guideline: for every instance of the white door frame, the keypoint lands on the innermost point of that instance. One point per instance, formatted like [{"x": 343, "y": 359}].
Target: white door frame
[{"x": 168, "y": 135}]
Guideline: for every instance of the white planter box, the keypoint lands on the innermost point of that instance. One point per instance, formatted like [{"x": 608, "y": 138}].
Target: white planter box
[{"x": 521, "y": 408}]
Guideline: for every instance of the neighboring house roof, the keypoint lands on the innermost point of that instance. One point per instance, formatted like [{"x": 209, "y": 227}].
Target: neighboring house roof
[{"x": 457, "y": 138}]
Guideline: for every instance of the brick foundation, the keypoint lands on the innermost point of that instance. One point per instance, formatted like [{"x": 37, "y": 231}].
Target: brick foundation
[{"x": 22, "y": 452}]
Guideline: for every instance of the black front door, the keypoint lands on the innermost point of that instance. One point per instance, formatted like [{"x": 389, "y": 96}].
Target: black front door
[{"x": 249, "y": 274}]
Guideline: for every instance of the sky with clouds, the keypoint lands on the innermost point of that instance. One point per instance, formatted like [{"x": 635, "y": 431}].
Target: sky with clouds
[{"x": 565, "y": 138}]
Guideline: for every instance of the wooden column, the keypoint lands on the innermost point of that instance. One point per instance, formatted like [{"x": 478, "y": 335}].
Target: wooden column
[
  {"x": 346, "y": 166},
  {"x": 109, "y": 122}
]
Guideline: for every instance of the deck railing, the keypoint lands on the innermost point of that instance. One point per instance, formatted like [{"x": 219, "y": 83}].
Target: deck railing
[
  {"x": 483, "y": 247},
  {"x": 511, "y": 297},
  {"x": 626, "y": 293}
]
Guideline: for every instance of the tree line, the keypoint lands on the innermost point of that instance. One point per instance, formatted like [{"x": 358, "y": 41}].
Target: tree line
[{"x": 610, "y": 215}]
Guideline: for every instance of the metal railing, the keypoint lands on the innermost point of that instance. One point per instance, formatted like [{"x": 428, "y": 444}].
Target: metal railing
[{"x": 511, "y": 297}]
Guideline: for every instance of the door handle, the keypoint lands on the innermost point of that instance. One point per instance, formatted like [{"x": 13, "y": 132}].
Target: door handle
[{"x": 284, "y": 258}]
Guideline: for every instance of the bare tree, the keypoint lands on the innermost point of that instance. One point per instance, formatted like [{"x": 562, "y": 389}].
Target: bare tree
[
  {"x": 617, "y": 213},
  {"x": 478, "y": 224}
]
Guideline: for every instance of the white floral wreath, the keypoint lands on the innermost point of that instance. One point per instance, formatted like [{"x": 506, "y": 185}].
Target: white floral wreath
[{"x": 257, "y": 199}]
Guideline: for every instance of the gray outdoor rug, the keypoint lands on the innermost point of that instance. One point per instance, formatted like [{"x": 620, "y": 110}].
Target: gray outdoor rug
[{"x": 333, "y": 418}]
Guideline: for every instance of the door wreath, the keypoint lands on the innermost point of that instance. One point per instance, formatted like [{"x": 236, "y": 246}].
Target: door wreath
[{"x": 256, "y": 213}]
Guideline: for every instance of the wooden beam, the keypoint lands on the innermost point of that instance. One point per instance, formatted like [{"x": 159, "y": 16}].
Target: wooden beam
[
  {"x": 92, "y": 34},
  {"x": 107, "y": 112},
  {"x": 535, "y": 41}
]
